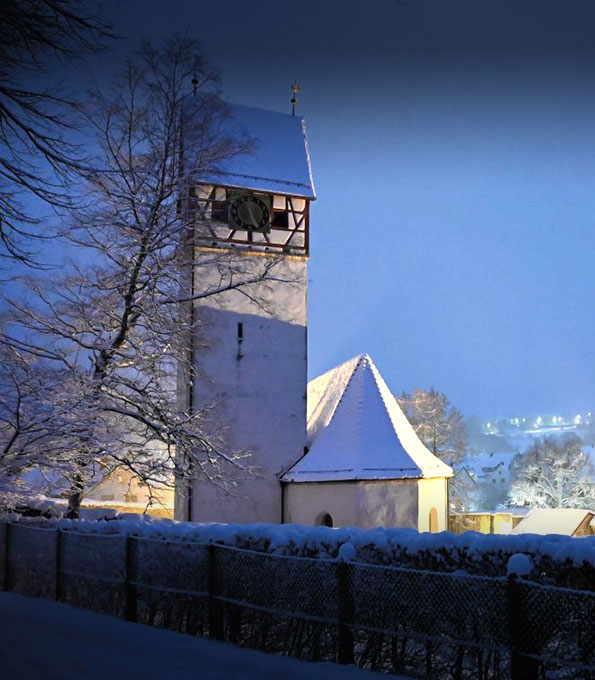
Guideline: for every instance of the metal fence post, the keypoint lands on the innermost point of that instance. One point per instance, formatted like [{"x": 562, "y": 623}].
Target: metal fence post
[
  {"x": 345, "y": 638},
  {"x": 215, "y": 610},
  {"x": 521, "y": 667},
  {"x": 513, "y": 627},
  {"x": 58, "y": 589},
  {"x": 6, "y": 569},
  {"x": 131, "y": 576}
]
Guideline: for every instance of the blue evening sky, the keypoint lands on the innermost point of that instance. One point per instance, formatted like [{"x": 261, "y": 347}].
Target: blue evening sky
[{"x": 453, "y": 150}]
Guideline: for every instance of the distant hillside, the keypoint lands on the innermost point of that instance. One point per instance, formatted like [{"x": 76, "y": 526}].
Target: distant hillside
[{"x": 479, "y": 442}]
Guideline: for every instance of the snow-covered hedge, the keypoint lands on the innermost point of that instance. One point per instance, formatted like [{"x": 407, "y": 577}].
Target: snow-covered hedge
[{"x": 559, "y": 560}]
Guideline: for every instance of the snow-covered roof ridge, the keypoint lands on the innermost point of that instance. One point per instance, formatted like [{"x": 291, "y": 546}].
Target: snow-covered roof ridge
[
  {"x": 544, "y": 521},
  {"x": 427, "y": 462},
  {"x": 324, "y": 394},
  {"x": 280, "y": 160},
  {"x": 357, "y": 430}
]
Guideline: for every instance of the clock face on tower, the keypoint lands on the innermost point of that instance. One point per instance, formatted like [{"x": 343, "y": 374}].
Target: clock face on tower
[{"x": 250, "y": 212}]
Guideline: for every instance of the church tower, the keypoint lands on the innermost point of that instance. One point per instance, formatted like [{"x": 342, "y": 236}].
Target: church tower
[{"x": 249, "y": 350}]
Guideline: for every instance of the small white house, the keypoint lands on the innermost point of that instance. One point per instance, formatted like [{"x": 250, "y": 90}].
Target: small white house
[
  {"x": 365, "y": 465},
  {"x": 563, "y": 521}
]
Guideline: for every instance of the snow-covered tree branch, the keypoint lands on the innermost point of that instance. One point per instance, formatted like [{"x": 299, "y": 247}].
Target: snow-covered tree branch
[
  {"x": 441, "y": 427},
  {"x": 109, "y": 332},
  {"x": 554, "y": 473},
  {"x": 39, "y": 155},
  {"x": 437, "y": 422}
]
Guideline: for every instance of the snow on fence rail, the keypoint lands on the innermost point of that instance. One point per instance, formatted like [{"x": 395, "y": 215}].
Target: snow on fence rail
[
  {"x": 419, "y": 622},
  {"x": 558, "y": 560}
]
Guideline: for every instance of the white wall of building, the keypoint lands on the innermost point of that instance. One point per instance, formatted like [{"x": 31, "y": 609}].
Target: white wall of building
[
  {"x": 433, "y": 494},
  {"x": 362, "y": 504},
  {"x": 253, "y": 386},
  {"x": 368, "y": 504},
  {"x": 391, "y": 503},
  {"x": 306, "y": 503}
]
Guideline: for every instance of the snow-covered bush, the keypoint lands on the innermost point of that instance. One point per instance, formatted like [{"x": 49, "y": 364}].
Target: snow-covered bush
[
  {"x": 559, "y": 560},
  {"x": 519, "y": 564}
]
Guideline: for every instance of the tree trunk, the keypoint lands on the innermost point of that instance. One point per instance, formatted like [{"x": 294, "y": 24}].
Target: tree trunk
[{"x": 75, "y": 497}]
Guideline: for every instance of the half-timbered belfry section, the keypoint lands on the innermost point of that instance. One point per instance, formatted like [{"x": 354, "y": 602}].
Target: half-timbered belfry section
[
  {"x": 259, "y": 199},
  {"x": 249, "y": 350}
]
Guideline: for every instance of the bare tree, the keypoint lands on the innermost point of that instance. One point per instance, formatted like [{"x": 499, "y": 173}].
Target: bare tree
[
  {"x": 115, "y": 319},
  {"x": 38, "y": 422},
  {"x": 437, "y": 422},
  {"x": 38, "y": 154},
  {"x": 554, "y": 473},
  {"x": 441, "y": 428},
  {"x": 25, "y": 421}
]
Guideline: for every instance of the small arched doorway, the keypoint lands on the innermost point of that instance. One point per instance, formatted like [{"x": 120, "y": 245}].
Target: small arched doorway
[
  {"x": 324, "y": 520},
  {"x": 433, "y": 521}
]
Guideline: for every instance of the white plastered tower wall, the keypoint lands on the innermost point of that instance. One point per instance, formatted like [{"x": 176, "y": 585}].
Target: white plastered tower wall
[
  {"x": 251, "y": 363},
  {"x": 249, "y": 347}
]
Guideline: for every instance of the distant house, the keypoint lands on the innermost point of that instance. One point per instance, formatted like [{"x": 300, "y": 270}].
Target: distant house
[
  {"x": 487, "y": 522},
  {"x": 365, "y": 465},
  {"x": 491, "y": 474},
  {"x": 124, "y": 491},
  {"x": 120, "y": 490},
  {"x": 490, "y": 467},
  {"x": 564, "y": 521},
  {"x": 468, "y": 490}
]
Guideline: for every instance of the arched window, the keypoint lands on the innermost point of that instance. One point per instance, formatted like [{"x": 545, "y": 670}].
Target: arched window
[
  {"x": 324, "y": 519},
  {"x": 433, "y": 520}
]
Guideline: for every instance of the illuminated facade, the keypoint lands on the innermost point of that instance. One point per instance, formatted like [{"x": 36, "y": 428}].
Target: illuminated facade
[{"x": 250, "y": 346}]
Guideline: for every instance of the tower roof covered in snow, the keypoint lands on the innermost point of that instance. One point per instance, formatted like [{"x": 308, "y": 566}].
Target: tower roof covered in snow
[
  {"x": 279, "y": 161},
  {"x": 357, "y": 431}
]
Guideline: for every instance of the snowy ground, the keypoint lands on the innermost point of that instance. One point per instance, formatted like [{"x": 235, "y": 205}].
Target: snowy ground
[{"x": 41, "y": 640}]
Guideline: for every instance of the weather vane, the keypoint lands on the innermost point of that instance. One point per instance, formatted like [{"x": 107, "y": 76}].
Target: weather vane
[{"x": 295, "y": 88}]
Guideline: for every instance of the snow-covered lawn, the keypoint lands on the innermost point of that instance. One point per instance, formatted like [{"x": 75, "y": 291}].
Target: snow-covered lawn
[{"x": 42, "y": 640}]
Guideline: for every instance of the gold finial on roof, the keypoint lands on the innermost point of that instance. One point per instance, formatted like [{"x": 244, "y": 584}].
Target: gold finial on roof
[{"x": 295, "y": 88}]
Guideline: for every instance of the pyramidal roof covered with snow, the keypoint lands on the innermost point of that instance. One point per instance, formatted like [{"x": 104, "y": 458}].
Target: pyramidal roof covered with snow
[{"x": 357, "y": 431}]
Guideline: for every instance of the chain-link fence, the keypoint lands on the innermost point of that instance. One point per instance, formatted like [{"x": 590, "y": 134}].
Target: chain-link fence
[{"x": 423, "y": 624}]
